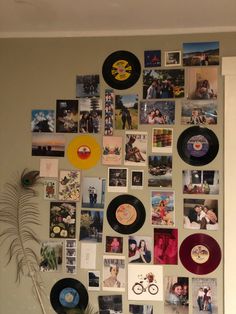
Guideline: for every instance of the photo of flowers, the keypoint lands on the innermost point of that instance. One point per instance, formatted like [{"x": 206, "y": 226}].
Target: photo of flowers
[
  {"x": 91, "y": 226},
  {"x": 51, "y": 256},
  {"x": 69, "y": 185},
  {"x": 62, "y": 219}
]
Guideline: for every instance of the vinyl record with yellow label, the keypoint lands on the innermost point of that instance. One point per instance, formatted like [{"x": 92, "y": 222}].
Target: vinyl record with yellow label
[{"x": 83, "y": 152}]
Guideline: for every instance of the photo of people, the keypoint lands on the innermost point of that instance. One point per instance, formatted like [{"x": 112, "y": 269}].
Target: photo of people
[
  {"x": 51, "y": 256},
  {"x": 43, "y": 120},
  {"x": 69, "y": 185},
  {"x": 67, "y": 116},
  {"x": 199, "y": 112},
  {"x": 71, "y": 259},
  {"x": 135, "y": 148},
  {"x": 91, "y": 226},
  {"x": 163, "y": 84},
  {"x": 93, "y": 192},
  {"x": 112, "y": 150},
  {"x": 162, "y": 208},
  {"x": 110, "y": 304},
  {"x": 201, "y": 214},
  {"x": 126, "y": 112},
  {"x": 140, "y": 309},
  {"x": 87, "y": 86},
  {"x": 172, "y": 58},
  {"x": 176, "y": 295},
  {"x": 201, "y": 53},
  {"x": 204, "y": 296},
  {"x": 117, "y": 180},
  {"x": 166, "y": 246},
  {"x": 162, "y": 140},
  {"x": 152, "y": 58},
  {"x": 109, "y": 112},
  {"x": 140, "y": 249},
  {"x": 90, "y": 115},
  {"x": 202, "y": 83},
  {"x": 48, "y": 144},
  {"x": 200, "y": 182},
  {"x": 114, "y": 244},
  {"x": 137, "y": 179},
  {"x": 113, "y": 273},
  {"x": 160, "y": 171},
  {"x": 157, "y": 112}
]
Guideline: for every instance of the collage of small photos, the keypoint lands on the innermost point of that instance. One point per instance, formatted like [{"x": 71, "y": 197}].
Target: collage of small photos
[{"x": 132, "y": 137}]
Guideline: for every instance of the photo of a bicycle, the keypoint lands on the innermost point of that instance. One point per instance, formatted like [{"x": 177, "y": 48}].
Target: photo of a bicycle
[{"x": 146, "y": 284}]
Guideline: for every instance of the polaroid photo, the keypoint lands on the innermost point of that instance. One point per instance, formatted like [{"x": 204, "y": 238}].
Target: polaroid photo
[
  {"x": 202, "y": 83},
  {"x": 165, "y": 246},
  {"x": 69, "y": 185},
  {"x": 140, "y": 249},
  {"x": 43, "y": 120},
  {"x": 109, "y": 112},
  {"x": 87, "y": 86},
  {"x": 51, "y": 256},
  {"x": 48, "y": 144},
  {"x": 93, "y": 192},
  {"x": 114, "y": 273},
  {"x": 162, "y": 140},
  {"x": 152, "y": 58},
  {"x": 199, "y": 112},
  {"x": 67, "y": 116},
  {"x": 114, "y": 244},
  {"x": 135, "y": 148},
  {"x": 94, "y": 280},
  {"x": 112, "y": 150},
  {"x": 117, "y": 180},
  {"x": 137, "y": 179},
  {"x": 145, "y": 282},
  {"x": 201, "y": 214},
  {"x": 201, "y": 53},
  {"x": 163, "y": 84},
  {"x": 176, "y": 295},
  {"x": 62, "y": 219},
  {"x": 162, "y": 208},
  {"x": 110, "y": 304},
  {"x": 48, "y": 167},
  {"x": 140, "y": 309},
  {"x": 90, "y": 115},
  {"x": 160, "y": 171},
  {"x": 200, "y": 182},
  {"x": 156, "y": 112},
  {"x": 91, "y": 226},
  {"x": 50, "y": 189},
  {"x": 126, "y": 112},
  {"x": 204, "y": 295},
  {"x": 173, "y": 58}
]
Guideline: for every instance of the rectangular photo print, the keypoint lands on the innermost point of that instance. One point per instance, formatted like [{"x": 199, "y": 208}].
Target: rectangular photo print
[
  {"x": 51, "y": 253},
  {"x": 162, "y": 140},
  {"x": 140, "y": 309},
  {"x": 112, "y": 150},
  {"x": 114, "y": 244},
  {"x": 93, "y": 192},
  {"x": 204, "y": 296},
  {"x": 91, "y": 226},
  {"x": 140, "y": 249},
  {"x": 67, "y": 116},
  {"x": 201, "y": 214},
  {"x": 172, "y": 58},
  {"x": 199, "y": 112},
  {"x": 156, "y": 112},
  {"x": 163, "y": 83},
  {"x": 137, "y": 177},
  {"x": 110, "y": 304},
  {"x": 69, "y": 185},
  {"x": 117, "y": 180},
  {"x": 152, "y": 58},
  {"x": 48, "y": 144},
  {"x": 166, "y": 246},
  {"x": 90, "y": 115},
  {"x": 176, "y": 290},
  {"x": 160, "y": 171},
  {"x": 145, "y": 282},
  {"x": 162, "y": 208},
  {"x": 126, "y": 112},
  {"x": 200, "y": 182},
  {"x": 201, "y": 53},
  {"x": 135, "y": 148},
  {"x": 87, "y": 86},
  {"x": 114, "y": 273},
  {"x": 43, "y": 120},
  {"x": 94, "y": 280},
  {"x": 109, "y": 112}
]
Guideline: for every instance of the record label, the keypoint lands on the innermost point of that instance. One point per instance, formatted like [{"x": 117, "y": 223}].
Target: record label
[
  {"x": 126, "y": 214},
  {"x": 69, "y": 297},
  {"x": 200, "y": 254},
  {"x": 121, "y": 70},
  {"x": 197, "y": 146}
]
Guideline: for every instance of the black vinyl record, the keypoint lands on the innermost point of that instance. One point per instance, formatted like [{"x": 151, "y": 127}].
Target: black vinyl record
[
  {"x": 121, "y": 69},
  {"x": 68, "y": 293},
  {"x": 126, "y": 214},
  {"x": 197, "y": 145},
  {"x": 200, "y": 254}
]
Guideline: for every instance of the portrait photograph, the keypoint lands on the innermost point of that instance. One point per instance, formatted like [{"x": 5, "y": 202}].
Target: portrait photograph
[
  {"x": 114, "y": 244},
  {"x": 162, "y": 208},
  {"x": 204, "y": 296},
  {"x": 160, "y": 171},
  {"x": 200, "y": 182},
  {"x": 90, "y": 115},
  {"x": 67, "y": 116},
  {"x": 87, "y": 86},
  {"x": 140, "y": 249},
  {"x": 135, "y": 148},
  {"x": 154, "y": 112},
  {"x": 93, "y": 192},
  {"x": 199, "y": 112},
  {"x": 113, "y": 273},
  {"x": 126, "y": 112}
]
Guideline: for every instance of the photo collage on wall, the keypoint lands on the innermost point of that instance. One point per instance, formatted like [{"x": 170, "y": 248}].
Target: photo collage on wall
[{"x": 130, "y": 138}]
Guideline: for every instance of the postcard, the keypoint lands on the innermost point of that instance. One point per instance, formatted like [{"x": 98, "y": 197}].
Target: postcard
[
  {"x": 88, "y": 253},
  {"x": 48, "y": 144},
  {"x": 67, "y": 116},
  {"x": 137, "y": 179},
  {"x": 109, "y": 112},
  {"x": 117, "y": 180},
  {"x": 156, "y": 112},
  {"x": 165, "y": 246},
  {"x": 69, "y": 185},
  {"x": 91, "y": 226},
  {"x": 172, "y": 58},
  {"x": 162, "y": 208},
  {"x": 90, "y": 115},
  {"x": 93, "y": 192},
  {"x": 114, "y": 244},
  {"x": 199, "y": 112},
  {"x": 43, "y": 120},
  {"x": 87, "y": 86},
  {"x": 113, "y": 273},
  {"x": 48, "y": 167},
  {"x": 204, "y": 295},
  {"x": 201, "y": 53},
  {"x": 152, "y": 58},
  {"x": 51, "y": 256},
  {"x": 112, "y": 150},
  {"x": 162, "y": 140},
  {"x": 126, "y": 112},
  {"x": 160, "y": 171},
  {"x": 135, "y": 148},
  {"x": 200, "y": 182},
  {"x": 140, "y": 249},
  {"x": 50, "y": 189},
  {"x": 94, "y": 280}
]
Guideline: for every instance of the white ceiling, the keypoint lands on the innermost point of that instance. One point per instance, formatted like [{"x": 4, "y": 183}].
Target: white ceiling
[{"x": 68, "y": 18}]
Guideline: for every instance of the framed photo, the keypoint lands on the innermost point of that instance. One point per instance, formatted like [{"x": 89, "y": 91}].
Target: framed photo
[
  {"x": 69, "y": 185},
  {"x": 117, "y": 180},
  {"x": 152, "y": 58},
  {"x": 135, "y": 148},
  {"x": 137, "y": 177},
  {"x": 199, "y": 112},
  {"x": 113, "y": 273},
  {"x": 200, "y": 182},
  {"x": 114, "y": 244},
  {"x": 155, "y": 112},
  {"x": 172, "y": 58},
  {"x": 126, "y": 112},
  {"x": 162, "y": 140},
  {"x": 93, "y": 192},
  {"x": 162, "y": 208}
]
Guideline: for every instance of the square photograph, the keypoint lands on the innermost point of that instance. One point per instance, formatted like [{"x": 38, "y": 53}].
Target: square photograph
[
  {"x": 156, "y": 112},
  {"x": 110, "y": 304},
  {"x": 162, "y": 208},
  {"x": 160, "y": 171},
  {"x": 137, "y": 178},
  {"x": 90, "y": 115},
  {"x": 114, "y": 244},
  {"x": 48, "y": 144},
  {"x": 67, "y": 116},
  {"x": 94, "y": 280},
  {"x": 140, "y": 309},
  {"x": 163, "y": 83},
  {"x": 43, "y": 120},
  {"x": 117, "y": 180},
  {"x": 112, "y": 150},
  {"x": 114, "y": 273},
  {"x": 93, "y": 192},
  {"x": 69, "y": 185},
  {"x": 126, "y": 112},
  {"x": 87, "y": 86},
  {"x": 140, "y": 249},
  {"x": 200, "y": 182},
  {"x": 172, "y": 58},
  {"x": 135, "y": 148},
  {"x": 51, "y": 256},
  {"x": 204, "y": 295},
  {"x": 199, "y": 112},
  {"x": 91, "y": 226},
  {"x": 152, "y": 58},
  {"x": 165, "y": 246},
  {"x": 50, "y": 189},
  {"x": 162, "y": 140}
]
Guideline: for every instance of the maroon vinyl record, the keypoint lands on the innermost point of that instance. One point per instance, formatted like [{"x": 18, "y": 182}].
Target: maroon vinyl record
[{"x": 200, "y": 254}]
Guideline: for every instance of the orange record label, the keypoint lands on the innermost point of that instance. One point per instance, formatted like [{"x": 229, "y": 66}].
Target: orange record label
[
  {"x": 200, "y": 254},
  {"x": 126, "y": 214}
]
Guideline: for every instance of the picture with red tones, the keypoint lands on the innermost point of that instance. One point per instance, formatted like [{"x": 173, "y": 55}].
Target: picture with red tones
[{"x": 166, "y": 246}]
